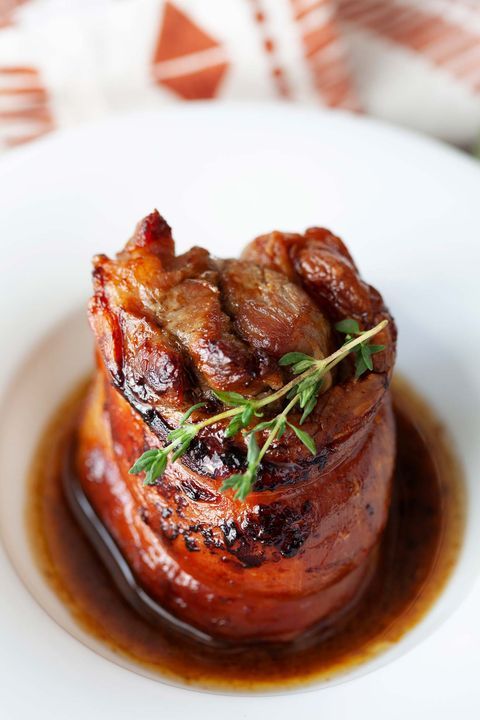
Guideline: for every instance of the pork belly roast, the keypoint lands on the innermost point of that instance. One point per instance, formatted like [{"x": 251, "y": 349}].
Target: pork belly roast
[{"x": 170, "y": 330}]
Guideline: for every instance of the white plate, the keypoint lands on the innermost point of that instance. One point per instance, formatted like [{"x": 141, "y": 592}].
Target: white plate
[{"x": 409, "y": 210}]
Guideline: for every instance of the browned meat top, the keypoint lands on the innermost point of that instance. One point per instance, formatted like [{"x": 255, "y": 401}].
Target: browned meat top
[{"x": 172, "y": 328}]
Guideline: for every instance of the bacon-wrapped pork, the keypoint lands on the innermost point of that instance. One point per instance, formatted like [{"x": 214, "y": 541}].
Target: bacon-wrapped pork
[{"x": 170, "y": 331}]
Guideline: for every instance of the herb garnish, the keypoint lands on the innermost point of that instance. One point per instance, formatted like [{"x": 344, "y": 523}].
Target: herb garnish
[
  {"x": 363, "y": 352},
  {"x": 303, "y": 390}
]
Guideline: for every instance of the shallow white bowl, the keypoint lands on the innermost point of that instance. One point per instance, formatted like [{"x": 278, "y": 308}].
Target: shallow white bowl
[{"x": 408, "y": 209}]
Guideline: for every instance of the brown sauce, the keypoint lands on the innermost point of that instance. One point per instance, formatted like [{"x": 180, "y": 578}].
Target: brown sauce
[{"x": 418, "y": 552}]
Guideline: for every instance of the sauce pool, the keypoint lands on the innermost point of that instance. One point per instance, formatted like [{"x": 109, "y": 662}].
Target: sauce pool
[{"x": 418, "y": 551}]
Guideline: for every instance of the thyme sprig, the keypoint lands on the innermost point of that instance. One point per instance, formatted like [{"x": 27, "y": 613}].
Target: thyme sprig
[
  {"x": 303, "y": 390},
  {"x": 364, "y": 351}
]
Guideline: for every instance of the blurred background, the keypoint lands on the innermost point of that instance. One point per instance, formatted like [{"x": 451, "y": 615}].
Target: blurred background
[{"x": 413, "y": 62}]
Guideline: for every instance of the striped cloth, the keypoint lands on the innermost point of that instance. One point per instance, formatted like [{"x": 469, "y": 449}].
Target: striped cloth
[{"x": 414, "y": 62}]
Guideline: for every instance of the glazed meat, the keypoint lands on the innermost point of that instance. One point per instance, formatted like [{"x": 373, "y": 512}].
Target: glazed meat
[
  {"x": 173, "y": 328},
  {"x": 170, "y": 330}
]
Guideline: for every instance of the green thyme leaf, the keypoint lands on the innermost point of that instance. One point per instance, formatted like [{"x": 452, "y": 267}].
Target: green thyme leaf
[
  {"x": 231, "y": 482},
  {"x": 189, "y": 412},
  {"x": 238, "y": 422},
  {"x": 303, "y": 365},
  {"x": 281, "y": 426},
  {"x": 360, "y": 366},
  {"x": 267, "y": 425},
  {"x": 293, "y": 357},
  {"x": 363, "y": 352},
  {"x": 363, "y": 357},
  {"x": 253, "y": 450},
  {"x": 241, "y": 483},
  {"x": 234, "y": 426},
  {"x": 156, "y": 470},
  {"x": 308, "y": 382},
  {"x": 230, "y": 398},
  {"x": 348, "y": 326},
  {"x": 309, "y": 391},
  {"x": 366, "y": 357},
  {"x": 247, "y": 414},
  {"x": 245, "y": 487},
  {"x": 305, "y": 438},
  {"x": 308, "y": 409},
  {"x": 291, "y": 393},
  {"x": 145, "y": 461},
  {"x": 299, "y": 362}
]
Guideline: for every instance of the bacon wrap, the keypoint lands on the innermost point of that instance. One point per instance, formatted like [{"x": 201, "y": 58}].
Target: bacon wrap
[{"x": 169, "y": 329}]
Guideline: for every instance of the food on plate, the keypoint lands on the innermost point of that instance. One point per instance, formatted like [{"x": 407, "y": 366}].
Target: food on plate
[{"x": 238, "y": 440}]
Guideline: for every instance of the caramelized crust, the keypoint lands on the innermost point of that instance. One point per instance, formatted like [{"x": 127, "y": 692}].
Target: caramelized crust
[{"x": 171, "y": 329}]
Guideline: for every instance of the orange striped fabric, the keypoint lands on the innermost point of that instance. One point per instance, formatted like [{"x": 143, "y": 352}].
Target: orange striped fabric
[
  {"x": 324, "y": 52},
  {"x": 24, "y": 106},
  {"x": 7, "y": 11},
  {"x": 117, "y": 55},
  {"x": 440, "y": 40}
]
